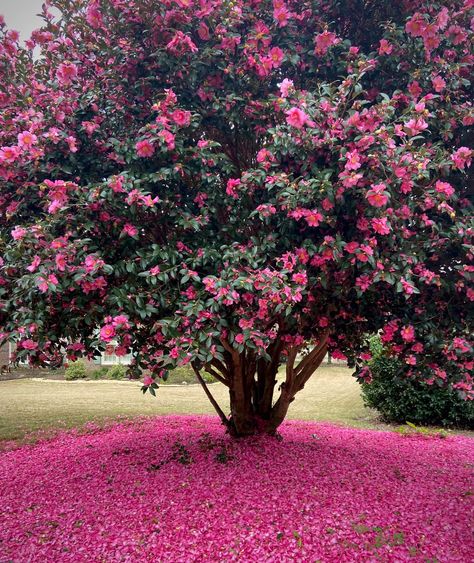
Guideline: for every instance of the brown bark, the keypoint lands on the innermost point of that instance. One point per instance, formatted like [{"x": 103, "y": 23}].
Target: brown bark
[{"x": 251, "y": 385}]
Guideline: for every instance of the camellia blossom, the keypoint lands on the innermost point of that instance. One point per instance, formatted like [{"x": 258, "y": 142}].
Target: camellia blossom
[
  {"x": 66, "y": 73},
  {"x": 232, "y": 184},
  {"x": 325, "y": 40},
  {"x": 462, "y": 157},
  {"x": 44, "y": 283},
  {"x": 181, "y": 43},
  {"x": 130, "y": 230},
  {"x": 34, "y": 264},
  {"x": 298, "y": 118},
  {"x": 29, "y": 344},
  {"x": 144, "y": 148},
  {"x": 148, "y": 380},
  {"x": 9, "y": 154},
  {"x": 385, "y": 47},
  {"x": 439, "y": 84},
  {"x": 408, "y": 333},
  {"x": 27, "y": 139},
  {"x": 181, "y": 117},
  {"x": 415, "y": 126},
  {"x": 286, "y": 87},
  {"x": 380, "y": 225},
  {"x": 18, "y": 233},
  {"x": 377, "y": 195},
  {"x": 444, "y": 188},
  {"x": 107, "y": 332}
]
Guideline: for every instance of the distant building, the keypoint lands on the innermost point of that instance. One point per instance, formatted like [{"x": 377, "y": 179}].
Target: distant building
[{"x": 107, "y": 358}]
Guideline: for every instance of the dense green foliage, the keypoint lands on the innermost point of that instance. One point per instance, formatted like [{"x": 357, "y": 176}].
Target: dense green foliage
[{"x": 401, "y": 399}]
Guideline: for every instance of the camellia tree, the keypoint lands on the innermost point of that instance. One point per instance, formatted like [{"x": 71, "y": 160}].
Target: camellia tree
[{"x": 238, "y": 185}]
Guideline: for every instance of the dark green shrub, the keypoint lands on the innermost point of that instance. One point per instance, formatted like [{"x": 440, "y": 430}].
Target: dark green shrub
[
  {"x": 400, "y": 399},
  {"x": 117, "y": 372},
  {"x": 75, "y": 370}
]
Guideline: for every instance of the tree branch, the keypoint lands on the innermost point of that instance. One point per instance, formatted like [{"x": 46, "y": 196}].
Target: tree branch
[
  {"x": 214, "y": 373},
  {"x": 308, "y": 359},
  {"x": 214, "y": 403}
]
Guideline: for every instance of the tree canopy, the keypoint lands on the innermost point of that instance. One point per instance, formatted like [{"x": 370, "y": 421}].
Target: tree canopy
[{"x": 229, "y": 183}]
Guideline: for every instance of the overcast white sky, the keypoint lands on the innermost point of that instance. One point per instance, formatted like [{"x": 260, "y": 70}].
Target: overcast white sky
[{"x": 21, "y": 15}]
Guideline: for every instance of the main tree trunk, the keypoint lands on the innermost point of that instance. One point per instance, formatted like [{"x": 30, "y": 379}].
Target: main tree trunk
[{"x": 252, "y": 382}]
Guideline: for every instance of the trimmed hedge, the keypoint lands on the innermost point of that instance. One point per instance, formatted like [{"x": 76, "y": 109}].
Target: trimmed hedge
[
  {"x": 75, "y": 370},
  {"x": 400, "y": 399}
]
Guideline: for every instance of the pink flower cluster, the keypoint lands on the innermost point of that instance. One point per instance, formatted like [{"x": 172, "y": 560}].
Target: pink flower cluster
[{"x": 173, "y": 489}]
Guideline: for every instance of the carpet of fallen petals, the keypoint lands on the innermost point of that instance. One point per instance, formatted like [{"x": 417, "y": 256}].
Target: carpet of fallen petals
[{"x": 177, "y": 489}]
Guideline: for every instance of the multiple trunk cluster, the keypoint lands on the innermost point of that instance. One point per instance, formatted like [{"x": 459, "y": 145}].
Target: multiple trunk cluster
[{"x": 251, "y": 382}]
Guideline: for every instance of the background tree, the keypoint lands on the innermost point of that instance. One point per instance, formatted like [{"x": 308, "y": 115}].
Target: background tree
[{"x": 228, "y": 184}]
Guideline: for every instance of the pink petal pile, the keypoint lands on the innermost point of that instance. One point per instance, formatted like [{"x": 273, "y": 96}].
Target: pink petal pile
[{"x": 176, "y": 489}]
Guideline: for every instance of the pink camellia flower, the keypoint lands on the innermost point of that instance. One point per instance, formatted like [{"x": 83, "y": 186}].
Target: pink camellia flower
[
  {"x": 298, "y": 118},
  {"x": 246, "y": 323},
  {"x": 107, "y": 332},
  {"x": 439, "y": 84},
  {"x": 92, "y": 263},
  {"x": 168, "y": 138},
  {"x": 276, "y": 56},
  {"x": 155, "y": 270},
  {"x": 286, "y": 86},
  {"x": 130, "y": 230},
  {"x": 415, "y": 126},
  {"x": 300, "y": 278},
  {"x": 144, "y": 148},
  {"x": 408, "y": 288},
  {"x": 60, "y": 262},
  {"x": 444, "y": 188},
  {"x": 411, "y": 360},
  {"x": 120, "y": 321},
  {"x": 313, "y": 218},
  {"x": 174, "y": 353},
  {"x": 281, "y": 14},
  {"x": 148, "y": 380},
  {"x": 44, "y": 283},
  {"x": 325, "y": 40},
  {"x": 34, "y": 264},
  {"x": 353, "y": 160},
  {"x": 380, "y": 225},
  {"x": 232, "y": 184},
  {"x": 72, "y": 143},
  {"x": 181, "y": 117},
  {"x": 66, "y": 73},
  {"x": 9, "y": 154},
  {"x": 29, "y": 344},
  {"x": 203, "y": 32},
  {"x": 377, "y": 195},
  {"x": 240, "y": 338},
  {"x": 462, "y": 157},
  {"x": 27, "y": 139},
  {"x": 181, "y": 44},
  {"x": 385, "y": 47},
  {"x": 408, "y": 333},
  {"x": 18, "y": 233}
]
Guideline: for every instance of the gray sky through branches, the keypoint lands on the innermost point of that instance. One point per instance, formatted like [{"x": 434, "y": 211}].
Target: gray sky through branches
[{"x": 21, "y": 15}]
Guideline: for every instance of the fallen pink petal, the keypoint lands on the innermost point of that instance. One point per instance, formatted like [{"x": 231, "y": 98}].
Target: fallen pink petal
[{"x": 176, "y": 489}]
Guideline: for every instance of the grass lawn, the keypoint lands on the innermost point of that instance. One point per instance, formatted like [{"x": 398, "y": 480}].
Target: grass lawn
[{"x": 28, "y": 405}]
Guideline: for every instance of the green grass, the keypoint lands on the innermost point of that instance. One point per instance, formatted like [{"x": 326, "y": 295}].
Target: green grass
[{"x": 29, "y": 405}]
